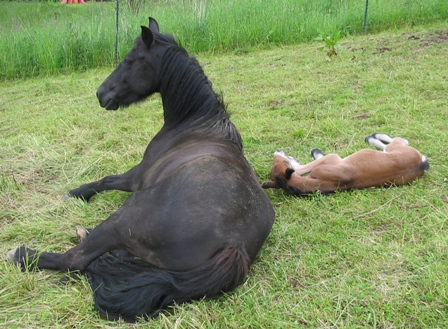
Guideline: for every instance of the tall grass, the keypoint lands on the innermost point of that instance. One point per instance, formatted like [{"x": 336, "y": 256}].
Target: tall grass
[{"x": 49, "y": 38}]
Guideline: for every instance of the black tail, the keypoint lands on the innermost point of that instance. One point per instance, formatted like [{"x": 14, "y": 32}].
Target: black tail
[{"x": 129, "y": 288}]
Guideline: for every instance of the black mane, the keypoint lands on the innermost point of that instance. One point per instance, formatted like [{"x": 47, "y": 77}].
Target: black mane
[{"x": 189, "y": 100}]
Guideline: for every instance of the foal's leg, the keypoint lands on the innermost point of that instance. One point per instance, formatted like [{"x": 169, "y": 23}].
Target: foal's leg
[
  {"x": 317, "y": 154},
  {"x": 379, "y": 141},
  {"x": 328, "y": 160},
  {"x": 293, "y": 162},
  {"x": 383, "y": 138}
]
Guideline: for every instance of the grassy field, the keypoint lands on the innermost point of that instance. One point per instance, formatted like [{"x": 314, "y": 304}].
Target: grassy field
[
  {"x": 45, "y": 38},
  {"x": 374, "y": 258}
]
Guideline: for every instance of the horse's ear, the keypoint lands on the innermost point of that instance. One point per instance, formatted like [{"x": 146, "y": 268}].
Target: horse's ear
[
  {"x": 147, "y": 36},
  {"x": 153, "y": 25}
]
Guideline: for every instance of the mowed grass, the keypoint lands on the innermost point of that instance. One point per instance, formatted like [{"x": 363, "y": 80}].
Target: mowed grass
[{"x": 374, "y": 258}]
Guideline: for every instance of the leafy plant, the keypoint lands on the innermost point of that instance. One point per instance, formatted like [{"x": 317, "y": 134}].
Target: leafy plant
[{"x": 331, "y": 43}]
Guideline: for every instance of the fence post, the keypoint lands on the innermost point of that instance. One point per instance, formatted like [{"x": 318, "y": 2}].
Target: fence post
[
  {"x": 117, "y": 9},
  {"x": 364, "y": 28}
]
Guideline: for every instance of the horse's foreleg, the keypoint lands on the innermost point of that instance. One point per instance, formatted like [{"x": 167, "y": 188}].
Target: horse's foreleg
[
  {"x": 293, "y": 162},
  {"x": 124, "y": 182}
]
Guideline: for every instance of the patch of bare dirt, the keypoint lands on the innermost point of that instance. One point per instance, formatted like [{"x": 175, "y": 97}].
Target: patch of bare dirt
[{"x": 427, "y": 40}]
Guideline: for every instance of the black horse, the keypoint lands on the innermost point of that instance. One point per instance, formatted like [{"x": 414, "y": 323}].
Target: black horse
[{"x": 197, "y": 217}]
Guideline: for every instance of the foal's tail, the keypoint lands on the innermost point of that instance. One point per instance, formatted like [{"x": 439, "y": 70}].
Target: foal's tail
[{"x": 129, "y": 288}]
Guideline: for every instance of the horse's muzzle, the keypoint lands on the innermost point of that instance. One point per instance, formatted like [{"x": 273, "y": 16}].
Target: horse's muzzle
[{"x": 106, "y": 101}]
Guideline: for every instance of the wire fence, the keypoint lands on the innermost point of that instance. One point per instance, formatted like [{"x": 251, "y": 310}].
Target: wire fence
[{"x": 200, "y": 5}]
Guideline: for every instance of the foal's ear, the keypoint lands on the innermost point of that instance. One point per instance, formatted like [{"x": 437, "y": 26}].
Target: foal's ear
[
  {"x": 153, "y": 25},
  {"x": 288, "y": 173},
  {"x": 147, "y": 36}
]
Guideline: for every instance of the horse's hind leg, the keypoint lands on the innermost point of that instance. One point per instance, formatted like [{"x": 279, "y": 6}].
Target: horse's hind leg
[
  {"x": 93, "y": 245},
  {"x": 72, "y": 260},
  {"x": 124, "y": 182}
]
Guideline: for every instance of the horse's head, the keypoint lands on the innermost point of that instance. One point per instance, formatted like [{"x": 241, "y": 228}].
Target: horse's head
[
  {"x": 137, "y": 76},
  {"x": 283, "y": 168}
]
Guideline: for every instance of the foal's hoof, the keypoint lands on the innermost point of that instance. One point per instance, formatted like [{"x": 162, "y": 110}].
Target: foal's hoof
[{"x": 373, "y": 135}]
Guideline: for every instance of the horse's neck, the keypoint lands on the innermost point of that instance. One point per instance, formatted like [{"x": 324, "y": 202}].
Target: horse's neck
[
  {"x": 189, "y": 102},
  {"x": 218, "y": 129},
  {"x": 191, "y": 106},
  {"x": 186, "y": 92}
]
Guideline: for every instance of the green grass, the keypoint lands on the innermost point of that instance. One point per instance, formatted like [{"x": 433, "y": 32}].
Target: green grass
[
  {"x": 45, "y": 38},
  {"x": 374, "y": 258}
]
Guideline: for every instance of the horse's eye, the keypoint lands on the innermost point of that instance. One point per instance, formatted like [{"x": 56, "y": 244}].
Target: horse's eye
[{"x": 127, "y": 61}]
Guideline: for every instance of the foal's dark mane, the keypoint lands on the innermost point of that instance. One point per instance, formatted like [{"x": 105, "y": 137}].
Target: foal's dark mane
[{"x": 189, "y": 100}]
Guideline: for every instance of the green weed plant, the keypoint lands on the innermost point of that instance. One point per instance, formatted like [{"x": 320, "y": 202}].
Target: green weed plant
[{"x": 332, "y": 45}]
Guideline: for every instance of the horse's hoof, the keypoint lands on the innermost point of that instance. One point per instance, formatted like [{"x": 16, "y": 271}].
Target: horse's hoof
[
  {"x": 11, "y": 255},
  {"x": 23, "y": 256},
  {"x": 71, "y": 195},
  {"x": 66, "y": 197},
  {"x": 75, "y": 194},
  {"x": 82, "y": 233}
]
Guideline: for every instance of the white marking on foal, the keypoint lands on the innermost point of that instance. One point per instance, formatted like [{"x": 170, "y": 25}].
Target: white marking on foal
[{"x": 295, "y": 164}]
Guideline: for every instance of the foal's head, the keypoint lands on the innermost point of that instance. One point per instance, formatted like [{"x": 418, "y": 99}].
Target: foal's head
[
  {"x": 137, "y": 76},
  {"x": 283, "y": 168}
]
